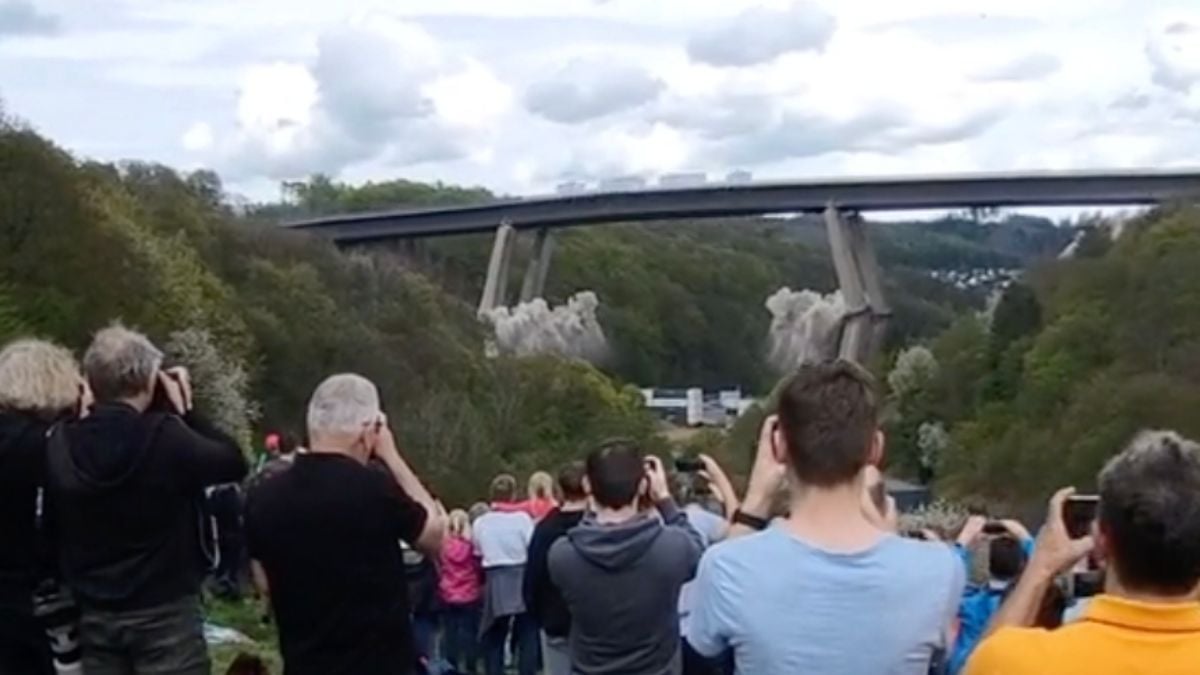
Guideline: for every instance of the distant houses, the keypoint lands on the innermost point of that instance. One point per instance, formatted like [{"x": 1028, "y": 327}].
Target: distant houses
[
  {"x": 694, "y": 407},
  {"x": 667, "y": 181}
]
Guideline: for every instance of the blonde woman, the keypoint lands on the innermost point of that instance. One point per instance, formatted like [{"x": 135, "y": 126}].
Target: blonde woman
[
  {"x": 39, "y": 385},
  {"x": 541, "y": 495},
  {"x": 460, "y": 585}
]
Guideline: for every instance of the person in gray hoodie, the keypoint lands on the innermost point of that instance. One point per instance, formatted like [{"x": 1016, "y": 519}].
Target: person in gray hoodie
[{"x": 621, "y": 568}]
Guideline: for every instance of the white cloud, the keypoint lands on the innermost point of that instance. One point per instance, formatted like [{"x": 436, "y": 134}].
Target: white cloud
[
  {"x": 20, "y": 17},
  {"x": 378, "y": 90},
  {"x": 1029, "y": 67},
  {"x": 761, "y": 34},
  {"x": 198, "y": 137},
  {"x": 520, "y": 94},
  {"x": 1174, "y": 54},
  {"x": 588, "y": 88}
]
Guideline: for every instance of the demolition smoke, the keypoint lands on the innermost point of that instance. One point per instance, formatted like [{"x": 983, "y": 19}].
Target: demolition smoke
[
  {"x": 570, "y": 330},
  {"x": 804, "y": 327}
]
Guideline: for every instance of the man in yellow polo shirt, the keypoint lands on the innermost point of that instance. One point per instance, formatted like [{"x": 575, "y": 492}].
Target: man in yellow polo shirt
[{"x": 1148, "y": 618}]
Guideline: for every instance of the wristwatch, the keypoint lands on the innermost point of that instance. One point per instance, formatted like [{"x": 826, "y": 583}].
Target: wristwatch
[{"x": 753, "y": 522}]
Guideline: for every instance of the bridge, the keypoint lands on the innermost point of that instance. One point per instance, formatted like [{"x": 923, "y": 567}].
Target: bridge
[{"x": 841, "y": 200}]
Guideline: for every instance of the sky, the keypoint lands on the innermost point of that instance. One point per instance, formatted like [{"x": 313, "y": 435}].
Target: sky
[{"x": 521, "y": 95}]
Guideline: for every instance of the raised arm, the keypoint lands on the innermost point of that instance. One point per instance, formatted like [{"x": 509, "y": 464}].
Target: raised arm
[
  {"x": 209, "y": 455},
  {"x": 1054, "y": 553},
  {"x": 433, "y": 530},
  {"x": 672, "y": 516},
  {"x": 766, "y": 478}
]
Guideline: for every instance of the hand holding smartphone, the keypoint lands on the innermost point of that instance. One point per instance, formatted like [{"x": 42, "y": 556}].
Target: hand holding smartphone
[{"x": 1079, "y": 511}]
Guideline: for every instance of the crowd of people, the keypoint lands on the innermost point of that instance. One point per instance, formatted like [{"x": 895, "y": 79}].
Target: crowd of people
[{"x": 619, "y": 565}]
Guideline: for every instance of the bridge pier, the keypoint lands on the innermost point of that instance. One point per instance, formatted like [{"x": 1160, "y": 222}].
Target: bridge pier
[
  {"x": 495, "y": 288},
  {"x": 534, "y": 284},
  {"x": 867, "y": 312}
]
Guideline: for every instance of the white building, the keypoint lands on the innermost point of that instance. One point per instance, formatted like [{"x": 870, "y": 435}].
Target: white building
[
  {"x": 695, "y": 407},
  {"x": 623, "y": 184},
  {"x": 682, "y": 180}
]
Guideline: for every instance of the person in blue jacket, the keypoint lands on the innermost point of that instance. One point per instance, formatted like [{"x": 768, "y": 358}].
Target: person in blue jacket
[{"x": 1009, "y": 547}]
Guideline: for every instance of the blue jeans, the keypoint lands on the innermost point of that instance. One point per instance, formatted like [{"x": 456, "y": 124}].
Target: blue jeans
[
  {"x": 460, "y": 636},
  {"x": 525, "y": 637},
  {"x": 425, "y": 630}
]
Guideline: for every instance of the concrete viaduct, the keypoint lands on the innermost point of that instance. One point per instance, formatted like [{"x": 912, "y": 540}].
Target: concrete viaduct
[{"x": 841, "y": 200}]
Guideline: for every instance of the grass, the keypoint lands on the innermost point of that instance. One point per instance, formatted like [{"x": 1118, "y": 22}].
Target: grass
[{"x": 244, "y": 616}]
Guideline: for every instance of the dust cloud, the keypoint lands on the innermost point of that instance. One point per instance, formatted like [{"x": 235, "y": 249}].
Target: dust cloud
[
  {"x": 571, "y": 330},
  {"x": 804, "y": 327}
]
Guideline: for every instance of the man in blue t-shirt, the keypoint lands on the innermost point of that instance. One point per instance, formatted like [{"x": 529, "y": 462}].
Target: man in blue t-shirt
[{"x": 826, "y": 589}]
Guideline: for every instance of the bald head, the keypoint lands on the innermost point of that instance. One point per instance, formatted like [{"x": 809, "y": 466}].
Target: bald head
[{"x": 341, "y": 409}]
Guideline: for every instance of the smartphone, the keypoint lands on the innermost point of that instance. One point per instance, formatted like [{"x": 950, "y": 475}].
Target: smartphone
[
  {"x": 688, "y": 465},
  {"x": 1078, "y": 513},
  {"x": 995, "y": 528}
]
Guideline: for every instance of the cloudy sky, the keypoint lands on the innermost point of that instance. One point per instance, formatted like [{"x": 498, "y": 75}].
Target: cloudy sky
[{"x": 519, "y": 95}]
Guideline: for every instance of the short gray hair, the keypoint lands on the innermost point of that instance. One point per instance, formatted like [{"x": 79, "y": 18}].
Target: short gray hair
[
  {"x": 38, "y": 377},
  {"x": 1150, "y": 510},
  {"x": 121, "y": 363},
  {"x": 342, "y": 404}
]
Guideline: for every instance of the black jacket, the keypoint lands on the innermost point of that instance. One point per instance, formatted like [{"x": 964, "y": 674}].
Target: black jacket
[
  {"x": 22, "y": 473},
  {"x": 542, "y": 597},
  {"x": 126, "y": 490}
]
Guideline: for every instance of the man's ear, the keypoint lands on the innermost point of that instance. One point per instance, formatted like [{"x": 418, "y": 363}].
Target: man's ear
[
  {"x": 878, "y": 444},
  {"x": 779, "y": 449}
]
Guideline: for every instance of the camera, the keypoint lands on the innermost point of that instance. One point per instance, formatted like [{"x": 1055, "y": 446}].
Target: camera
[{"x": 688, "y": 465}]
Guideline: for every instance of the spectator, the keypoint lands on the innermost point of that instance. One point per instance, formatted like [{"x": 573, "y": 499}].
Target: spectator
[
  {"x": 502, "y": 539},
  {"x": 1148, "y": 531},
  {"x": 698, "y": 499},
  {"x": 224, "y": 506},
  {"x": 127, "y": 488},
  {"x": 1007, "y": 552},
  {"x": 826, "y": 589},
  {"x": 40, "y": 384},
  {"x": 421, "y": 575},
  {"x": 282, "y": 448},
  {"x": 541, "y": 495},
  {"x": 460, "y": 585},
  {"x": 477, "y": 509},
  {"x": 620, "y": 570},
  {"x": 247, "y": 664},
  {"x": 542, "y": 597},
  {"x": 325, "y": 534}
]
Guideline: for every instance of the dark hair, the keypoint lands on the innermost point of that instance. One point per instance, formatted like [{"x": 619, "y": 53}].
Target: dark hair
[
  {"x": 1150, "y": 513},
  {"x": 247, "y": 664},
  {"x": 1050, "y": 611},
  {"x": 570, "y": 482},
  {"x": 287, "y": 442},
  {"x": 1006, "y": 558},
  {"x": 504, "y": 488},
  {"x": 828, "y": 413},
  {"x": 615, "y": 471}
]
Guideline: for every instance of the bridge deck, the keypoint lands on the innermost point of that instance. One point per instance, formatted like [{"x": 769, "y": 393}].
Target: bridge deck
[{"x": 1076, "y": 188}]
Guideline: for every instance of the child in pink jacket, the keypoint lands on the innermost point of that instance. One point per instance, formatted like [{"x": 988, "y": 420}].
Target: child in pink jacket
[{"x": 460, "y": 584}]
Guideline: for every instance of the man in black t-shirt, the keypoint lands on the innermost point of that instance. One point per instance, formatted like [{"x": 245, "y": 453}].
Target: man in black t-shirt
[{"x": 326, "y": 534}]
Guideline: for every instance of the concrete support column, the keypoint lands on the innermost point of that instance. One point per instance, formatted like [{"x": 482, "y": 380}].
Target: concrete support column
[
  {"x": 858, "y": 277},
  {"x": 534, "y": 284},
  {"x": 868, "y": 267},
  {"x": 855, "y": 331},
  {"x": 495, "y": 288}
]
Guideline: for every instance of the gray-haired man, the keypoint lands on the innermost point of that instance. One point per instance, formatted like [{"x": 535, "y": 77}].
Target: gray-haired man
[
  {"x": 125, "y": 485},
  {"x": 325, "y": 536}
]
